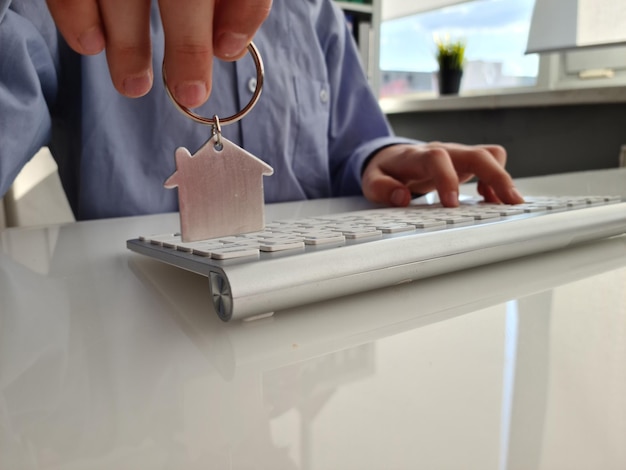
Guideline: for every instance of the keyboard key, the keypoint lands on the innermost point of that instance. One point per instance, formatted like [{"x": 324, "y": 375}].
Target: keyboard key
[
  {"x": 511, "y": 210},
  {"x": 482, "y": 215},
  {"x": 425, "y": 223},
  {"x": 280, "y": 244},
  {"x": 455, "y": 219},
  {"x": 233, "y": 252},
  {"x": 164, "y": 240},
  {"x": 362, "y": 233},
  {"x": 206, "y": 249},
  {"x": 323, "y": 238},
  {"x": 203, "y": 245},
  {"x": 533, "y": 208},
  {"x": 395, "y": 228}
]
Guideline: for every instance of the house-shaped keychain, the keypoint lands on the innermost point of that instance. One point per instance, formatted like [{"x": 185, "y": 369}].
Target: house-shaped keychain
[{"x": 220, "y": 190}]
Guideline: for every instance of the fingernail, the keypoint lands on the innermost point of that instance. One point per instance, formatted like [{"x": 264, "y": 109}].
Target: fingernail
[
  {"x": 398, "y": 197},
  {"x": 138, "y": 85},
  {"x": 231, "y": 44},
  {"x": 92, "y": 40},
  {"x": 450, "y": 199},
  {"x": 191, "y": 94}
]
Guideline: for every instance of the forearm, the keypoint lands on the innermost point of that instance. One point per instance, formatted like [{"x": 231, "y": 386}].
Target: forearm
[{"x": 358, "y": 128}]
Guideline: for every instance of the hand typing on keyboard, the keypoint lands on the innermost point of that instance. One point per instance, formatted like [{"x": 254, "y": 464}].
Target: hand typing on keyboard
[{"x": 396, "y": 172}]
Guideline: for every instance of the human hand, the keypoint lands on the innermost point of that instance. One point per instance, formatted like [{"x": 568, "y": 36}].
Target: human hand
[
  {"x": 195, "y": 31},
  {"x": 399, "y": 170}
]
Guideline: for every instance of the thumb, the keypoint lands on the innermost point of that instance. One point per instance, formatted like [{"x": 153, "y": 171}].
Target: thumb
[{"x": 382, "y": 188}]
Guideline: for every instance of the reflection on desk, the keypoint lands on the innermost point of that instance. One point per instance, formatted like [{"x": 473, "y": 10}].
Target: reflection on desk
[{"x": 112, "y": 360}]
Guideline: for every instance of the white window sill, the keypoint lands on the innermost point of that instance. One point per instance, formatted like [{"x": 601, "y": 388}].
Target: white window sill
[{"x": 565, "y": 95}]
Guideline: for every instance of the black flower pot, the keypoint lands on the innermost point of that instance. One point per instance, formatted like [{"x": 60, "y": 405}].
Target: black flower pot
[{"x": 449, "y": 81}]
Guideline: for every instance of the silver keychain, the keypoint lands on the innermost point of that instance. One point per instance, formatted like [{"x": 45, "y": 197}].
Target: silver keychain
[{"x": 220, "y": 187}]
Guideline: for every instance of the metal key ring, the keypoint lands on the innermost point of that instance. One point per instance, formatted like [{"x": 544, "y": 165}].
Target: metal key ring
[{"x": 260, "y": 74}]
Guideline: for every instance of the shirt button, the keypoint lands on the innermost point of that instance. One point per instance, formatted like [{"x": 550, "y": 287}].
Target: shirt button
[
  {"x": 323, "y": 95},
  {"x": 252, "y": 85}
]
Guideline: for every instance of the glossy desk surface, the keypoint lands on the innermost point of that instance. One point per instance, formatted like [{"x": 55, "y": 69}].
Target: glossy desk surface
[{"x": 109, "y": 360}]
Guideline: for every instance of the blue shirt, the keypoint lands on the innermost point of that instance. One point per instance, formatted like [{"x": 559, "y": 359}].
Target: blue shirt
[{"x": 315, "y": 123}]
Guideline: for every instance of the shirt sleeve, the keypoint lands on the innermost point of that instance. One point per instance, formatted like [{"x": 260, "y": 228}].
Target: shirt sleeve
[
  {"x": 358, "y": 127},
  {"x": 28, "y": 83}
]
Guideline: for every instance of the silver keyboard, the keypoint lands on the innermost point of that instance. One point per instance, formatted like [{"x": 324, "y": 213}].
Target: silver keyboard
[{"x": 293, "y": 262}]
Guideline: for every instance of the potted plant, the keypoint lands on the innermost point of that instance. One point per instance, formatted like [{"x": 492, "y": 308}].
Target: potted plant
[{"x": 450, "y": 57}]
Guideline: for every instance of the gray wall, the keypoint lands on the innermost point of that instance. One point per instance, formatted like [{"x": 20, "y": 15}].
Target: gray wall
[{"x": 539, "y": 141}]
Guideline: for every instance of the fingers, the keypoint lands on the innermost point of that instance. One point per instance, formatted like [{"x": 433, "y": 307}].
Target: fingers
[
  {"x": 236, "y": 22},
  {"x": 397, "y": 171},
  {"x": 195, "y": 33},
  {"x": 441, "y": 167},
  {"x": 487, "y": 163},
  {"x": 119, "y": 25},
  {"x": 436, "y": 162},
  {"x": 497, "y": 152},
  {"x": 80, "y": 24},
  {"x": 123, "y": 28},
  {"x": 188, "y": 32},
  {"x": 128, "y": 47},
  {"x": 382, "y": 188}
]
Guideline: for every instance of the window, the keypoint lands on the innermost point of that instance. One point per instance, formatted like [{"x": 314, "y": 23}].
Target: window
[{"x": 495, "y": 33}]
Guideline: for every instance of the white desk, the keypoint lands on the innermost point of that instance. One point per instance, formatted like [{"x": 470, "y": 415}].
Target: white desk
[{"x": 112, "y": 361}]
